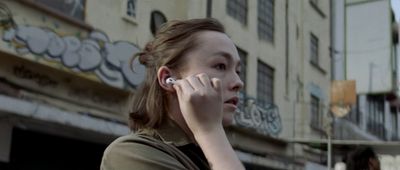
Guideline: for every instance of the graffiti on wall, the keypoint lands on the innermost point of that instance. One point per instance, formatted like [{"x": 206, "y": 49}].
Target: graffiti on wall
[
  {"x": 110, "y": 61},
  {"x": 94, "y": 53},
  {"x": 265, "y": 119}
]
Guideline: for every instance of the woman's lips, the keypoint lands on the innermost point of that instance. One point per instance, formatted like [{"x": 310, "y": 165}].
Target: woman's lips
[{"x": 232, "y": 103}]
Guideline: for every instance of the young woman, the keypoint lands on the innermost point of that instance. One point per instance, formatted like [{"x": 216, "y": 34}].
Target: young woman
[{"x": 179, "y": 124}]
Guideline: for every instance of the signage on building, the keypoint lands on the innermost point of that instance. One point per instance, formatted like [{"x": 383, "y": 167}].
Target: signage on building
[{"x": 343, "y": 96}]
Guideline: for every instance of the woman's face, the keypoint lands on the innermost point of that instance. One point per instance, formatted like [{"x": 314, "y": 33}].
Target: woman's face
[{"x": 217, "y": 56}]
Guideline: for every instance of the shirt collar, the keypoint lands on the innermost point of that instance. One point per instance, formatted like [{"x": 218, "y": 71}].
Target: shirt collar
[{"x": 169, "y": 132}]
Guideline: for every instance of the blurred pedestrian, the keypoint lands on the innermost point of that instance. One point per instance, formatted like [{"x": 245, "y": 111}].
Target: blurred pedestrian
[{"x": 363, "y": 158}]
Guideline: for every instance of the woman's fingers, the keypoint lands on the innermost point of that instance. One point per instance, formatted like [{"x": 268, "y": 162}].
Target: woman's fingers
[
  {"x": 198, "y": 83},
  {"x": 186, "y": 86},
  {"x": 177, "y": 88},
  {"x": 204, "y": 80},
  {"x": 216, "y": 83},
  {"x": 200, "y": 102},
  {"x": 195, "y": 83}
]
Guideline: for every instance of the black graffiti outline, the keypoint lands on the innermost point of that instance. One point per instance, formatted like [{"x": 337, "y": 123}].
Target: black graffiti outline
[{"x": 21, "y": 71}]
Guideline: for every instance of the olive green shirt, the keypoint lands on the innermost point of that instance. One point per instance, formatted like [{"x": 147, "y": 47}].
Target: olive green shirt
[{"x": 150, "y": 149}]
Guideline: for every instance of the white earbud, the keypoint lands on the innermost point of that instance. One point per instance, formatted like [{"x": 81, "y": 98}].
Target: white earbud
[{"x": 170, "y": 80}]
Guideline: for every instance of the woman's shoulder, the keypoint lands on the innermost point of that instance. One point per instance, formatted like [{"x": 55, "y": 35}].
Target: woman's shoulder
[{"x": 134, "y": 151}]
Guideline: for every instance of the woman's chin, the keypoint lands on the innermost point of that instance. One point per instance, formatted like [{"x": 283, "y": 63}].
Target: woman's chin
[{"x": 227, "y": 119}]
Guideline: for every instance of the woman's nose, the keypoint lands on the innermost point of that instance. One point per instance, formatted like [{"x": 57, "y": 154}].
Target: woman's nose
[{"x": 237, "y": 83}]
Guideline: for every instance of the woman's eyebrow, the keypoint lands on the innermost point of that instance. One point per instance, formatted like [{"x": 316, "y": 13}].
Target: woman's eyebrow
[{"x": 224, "y": 54}]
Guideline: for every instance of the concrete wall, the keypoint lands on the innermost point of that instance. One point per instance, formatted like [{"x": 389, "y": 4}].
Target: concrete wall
[{"x": 305, "y": 78}]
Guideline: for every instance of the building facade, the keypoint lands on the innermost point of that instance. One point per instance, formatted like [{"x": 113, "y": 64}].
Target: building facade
[
  {"x": 65, "y": 76},
  {"x": 375, "y": 114},
  {"x": 365, "y": 49}
]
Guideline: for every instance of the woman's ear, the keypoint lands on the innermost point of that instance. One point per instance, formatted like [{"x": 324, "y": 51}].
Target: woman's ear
[
  {"x": 163, "y": 74},
  {"x": 374, "y": 163}
]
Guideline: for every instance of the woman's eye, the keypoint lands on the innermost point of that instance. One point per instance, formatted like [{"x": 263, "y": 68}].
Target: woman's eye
[{"x": 220, "y": 66}]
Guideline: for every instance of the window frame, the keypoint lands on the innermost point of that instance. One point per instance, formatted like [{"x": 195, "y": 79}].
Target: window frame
[
  {"x": 235, "y": 13},
  {"x": 53, "y": 12},
  {"x": 124, "y": 12},
  {"x": 263, "y": 29},
  {"x": 154, "y": 26},
  {"x": 269, "y": 73},
  {"x": 316, "y": 116},
  {"x": 376, "y": 116},
  {"x": 314, "y": 49}
]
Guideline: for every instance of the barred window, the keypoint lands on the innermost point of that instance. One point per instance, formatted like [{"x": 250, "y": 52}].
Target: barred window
[
  {"x": 265, "y": 25},
  {"x": 74, "y": 9},
  {"x": 314, "y": 58},
  {"x": 237, "y": 9},
  {"x": 376, "y": 116},
  {"x": 395, "y": 124},
  {"x": 355, "y": 113},
  {"x": 315, "y": 112},
  {"x": 265, "y": 84}
]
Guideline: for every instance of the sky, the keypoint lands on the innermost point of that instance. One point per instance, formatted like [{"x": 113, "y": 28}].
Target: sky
[{"x": 396, "y": 9}]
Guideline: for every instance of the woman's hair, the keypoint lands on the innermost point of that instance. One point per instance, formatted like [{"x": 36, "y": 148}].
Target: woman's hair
[
  {"x": 359, "y": 158},
  {"x": 170, "y": 44}
]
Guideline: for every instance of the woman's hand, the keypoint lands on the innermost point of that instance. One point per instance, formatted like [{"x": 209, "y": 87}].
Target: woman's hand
[
  {"x": 201, "y": 104},
  {"x": 200, "y": 101}
]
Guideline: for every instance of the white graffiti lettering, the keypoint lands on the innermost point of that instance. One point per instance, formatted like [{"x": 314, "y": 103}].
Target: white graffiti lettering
[
  {"x": 264, "y": 119},
  {"x": 110, "y": 61}
]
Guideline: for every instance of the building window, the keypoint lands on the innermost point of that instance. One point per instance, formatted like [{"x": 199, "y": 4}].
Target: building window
[
  {"x": 314, "y": 58},
  {"x": 265, "y": 25},
  {"x": 354, "y": 114},
  {"x": 131, "y": 8},
  {"x": 316, "y": 117},
  {"x": 265, "y": 84},
  {"x": 376, "y": 110},
  {"x": 395, "y": 123},
  {"x": 237, "y": 9},
  {"x": 74, "y": 9},
  {"x": 156, "y": 21},
  {"x": 242, "y": 75}
]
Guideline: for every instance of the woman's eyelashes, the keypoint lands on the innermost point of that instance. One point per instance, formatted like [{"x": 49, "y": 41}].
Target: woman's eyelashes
[
  {"x": 223, "y": 67},
  {"x": 238, "y": 72},
  {"x": 220, "y": 66}
]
